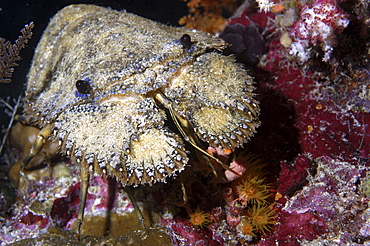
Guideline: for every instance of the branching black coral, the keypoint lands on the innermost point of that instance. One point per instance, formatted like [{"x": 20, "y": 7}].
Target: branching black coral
[{"x": 9, "y": 53}]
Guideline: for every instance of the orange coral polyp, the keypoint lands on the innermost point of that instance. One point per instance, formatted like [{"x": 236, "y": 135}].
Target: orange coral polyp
[
  {"x": 246, "y": 227},
  {"x": 253, "y": 190},
  {"x": 199, "y": 218},
  {"x": 263, "y": 217}
]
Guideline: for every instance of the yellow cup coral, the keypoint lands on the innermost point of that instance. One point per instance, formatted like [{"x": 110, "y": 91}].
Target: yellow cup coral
[
  {"x": 253, "y": 189},
  {"x": 263, "y": 217},
  {"x": 199, "y": 218}
]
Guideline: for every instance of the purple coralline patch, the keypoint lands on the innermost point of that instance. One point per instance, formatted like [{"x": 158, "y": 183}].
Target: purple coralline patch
[
  {"x": 294, "y": 227},
  {"x": 24, "y": 224},
  {"x": 331, "y": 198},
  {"x": 326, "y": 131},
  {"x": 248, "y": 16},
  {"x": 334, "y": 181},
  {"x": 65, "y": 208},
  {"x": 56, "y": 202},
  {"x": 101, "y": 197},
  {"x": 183, "y": 233},
  {"x": 293, "y": 175},
  {"x": 30, "y": 218}
]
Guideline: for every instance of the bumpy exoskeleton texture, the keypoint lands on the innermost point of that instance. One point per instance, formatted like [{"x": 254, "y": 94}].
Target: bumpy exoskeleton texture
[{"x": 93, "y": 78}]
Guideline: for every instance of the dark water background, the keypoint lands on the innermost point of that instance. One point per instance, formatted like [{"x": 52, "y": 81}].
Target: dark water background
[{"x": 14, "y": 14}]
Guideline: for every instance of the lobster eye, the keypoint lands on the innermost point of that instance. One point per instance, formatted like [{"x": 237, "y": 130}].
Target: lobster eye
[
  {"x": 185, "y": 40},
  {"x": 83, "y": 87}
]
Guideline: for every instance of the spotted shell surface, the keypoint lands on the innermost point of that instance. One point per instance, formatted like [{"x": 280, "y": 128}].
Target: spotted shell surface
[{"x": 113, "y": 123}]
